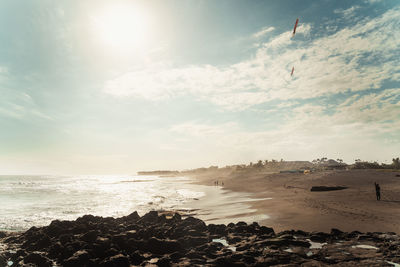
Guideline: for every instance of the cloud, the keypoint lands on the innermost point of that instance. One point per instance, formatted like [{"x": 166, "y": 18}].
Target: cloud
[
  {"x": 201, "y": 129},
  {"x": 263, "y": 32},
  {"x": 19, "y": 105},
  {"x": 3, "y": 70},
  {"x": 356, "y": 128},
  {"x": 357, "y": 58},
  {"x": 373, "y": 1},
  {"x": 347, "y": 12}
]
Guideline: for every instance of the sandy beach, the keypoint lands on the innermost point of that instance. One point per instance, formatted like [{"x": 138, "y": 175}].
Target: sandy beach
[{"x": 294, "y": 206}]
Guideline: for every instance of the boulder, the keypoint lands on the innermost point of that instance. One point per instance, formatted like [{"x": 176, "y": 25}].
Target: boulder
[
  {"x": 162, "y": 247},
  {"x": 90, "y": 236},
  {"x": 119, "y": 260},
  {"x": 80, "y": 258},
  {"x": 37, "y": 259}
]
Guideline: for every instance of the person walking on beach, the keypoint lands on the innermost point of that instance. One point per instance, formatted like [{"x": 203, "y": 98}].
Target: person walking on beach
[{"x": 378, "y": 191}]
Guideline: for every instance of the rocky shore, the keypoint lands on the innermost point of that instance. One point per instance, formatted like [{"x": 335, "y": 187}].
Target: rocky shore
[{"x": 165, "y": 239}]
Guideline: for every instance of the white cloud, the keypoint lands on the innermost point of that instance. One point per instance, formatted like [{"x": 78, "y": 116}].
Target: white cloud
[
  {"x": 373, "y": 1},
  {"x": 263, "y": 32},
  {"x": 19, "y": 105},
  {"x": 347, "y": 12},
  {"x": 3, "y": 70},
  {"x": 201, "y": 129},
  {"x": 356, "y": 58},
  {"x": 355, "y": 130}
]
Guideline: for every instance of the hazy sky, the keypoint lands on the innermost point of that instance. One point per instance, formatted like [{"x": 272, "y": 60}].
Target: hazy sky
[{"x": 120, "y": 86}]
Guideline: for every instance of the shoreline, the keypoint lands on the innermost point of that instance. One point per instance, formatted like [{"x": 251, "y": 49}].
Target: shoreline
[{"x": 294, "y": 206}]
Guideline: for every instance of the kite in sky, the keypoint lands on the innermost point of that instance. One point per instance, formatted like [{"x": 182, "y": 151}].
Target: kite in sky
[
  {"x": 295, "y": 26},
  {"x": 294, "y": 32}
]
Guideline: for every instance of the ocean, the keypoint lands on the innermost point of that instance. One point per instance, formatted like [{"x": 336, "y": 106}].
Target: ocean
[{"x": 27, "y": 201}]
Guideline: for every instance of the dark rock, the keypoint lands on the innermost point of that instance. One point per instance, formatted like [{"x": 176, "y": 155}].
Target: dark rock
[
  {"x": 133, "y": 217},
  {"x": 336, "y": 232},
  {"x": 286, "y": 242},
  {"x": 55, "y": 250},
  {"x": 164, "y": 262},
  {"x": 43, "y": 242},
  {"x": 353, "y": 234},
  {"x": 162, "y": 247},
  {"x": 3, "y": 234},
  {"x": 192, "y": 241},
  {"x": 86, "y": 219},
  {"x": 326, "y": 188},
  {"x": 90, "y": 236},
  {"x": 320, "y": 237},
  {"x": 136, "y": 258},
  {"x": 65, "y": 238},
  {"x": 150, "y": 217},
  {"x": 37, "y": 259},
  {"x": 266, "y": 231},
  {"x": 218, "y": 229},
  {"x": 228, "y": 262},
  {"x": 54, "y": 229},
  {"x": 117, "y": 261},
  {"x": 233, "y": 239},
  {"x": 3, "y": 261},
  {"x": 80, "y": 258},
  {"x": 133, "y": 240},
  {"x": 177, "y": 217},
  {"x": 231, "y": 225},
  {"x": 120, "y": 240}
]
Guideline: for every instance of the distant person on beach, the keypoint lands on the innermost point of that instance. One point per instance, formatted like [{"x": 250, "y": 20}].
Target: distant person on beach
[{"x": 378, "y": 191}]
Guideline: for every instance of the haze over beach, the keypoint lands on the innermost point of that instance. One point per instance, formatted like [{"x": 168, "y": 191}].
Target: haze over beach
[{"x": 199, "y": 133}]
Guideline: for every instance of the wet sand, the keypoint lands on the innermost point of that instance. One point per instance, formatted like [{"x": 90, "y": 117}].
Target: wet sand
[{"x": 294, "y": 206}]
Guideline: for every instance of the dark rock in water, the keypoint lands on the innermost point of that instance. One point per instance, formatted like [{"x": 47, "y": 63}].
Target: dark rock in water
[
  {"x": 86, "y": 219},
  {"x": 133, "y": 217},
  {"x": 55, "y": 228},
  {"x": 150, "y": 217},
  {"x": 37, "y": 259},
  {"x": 156, "y": 240},
  {"x": 326, "y": 188},
  {"x": 286, "y": 242}
]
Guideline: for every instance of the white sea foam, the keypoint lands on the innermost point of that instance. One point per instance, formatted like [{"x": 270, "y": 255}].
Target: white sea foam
[{"x": 37, "y": 200}]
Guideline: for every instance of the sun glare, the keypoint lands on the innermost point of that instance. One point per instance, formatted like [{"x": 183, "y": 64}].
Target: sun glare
[{"x": 122, "y": 26}]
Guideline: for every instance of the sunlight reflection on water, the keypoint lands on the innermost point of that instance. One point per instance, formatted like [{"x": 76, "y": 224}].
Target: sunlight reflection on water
[{"x": 37, "y": 200}]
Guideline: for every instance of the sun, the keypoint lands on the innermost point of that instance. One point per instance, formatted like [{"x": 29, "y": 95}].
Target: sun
[{"x": 122, "y": 26}]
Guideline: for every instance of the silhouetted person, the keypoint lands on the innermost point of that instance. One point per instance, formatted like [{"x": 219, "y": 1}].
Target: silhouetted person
[{"x": 378, "y": 191}]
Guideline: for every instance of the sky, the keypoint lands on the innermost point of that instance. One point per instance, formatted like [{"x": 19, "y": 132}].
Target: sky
[{"x": 114, "y": 87}]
